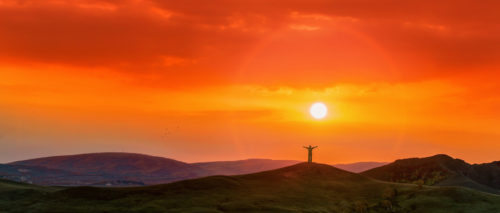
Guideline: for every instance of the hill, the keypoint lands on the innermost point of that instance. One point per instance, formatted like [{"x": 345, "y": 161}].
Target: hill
[
  {"x": 299, "y": 188},
  {"x": 441, "y": 170},
  {"x": 129, "y": 169},
  {"x": 102, "y": 167}
]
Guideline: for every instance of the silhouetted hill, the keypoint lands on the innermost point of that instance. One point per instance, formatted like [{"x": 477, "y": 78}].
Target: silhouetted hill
[
  {"x": 243, "y": 166},
  {"x": 441, "y": 170},
  {"x": 119, "y": 166},
  {"x": 305, "y": 171},
  {"x": 359, "y": 166},
  {"x": 128, "y": 169},
  {"x": 299, "y": 188}
]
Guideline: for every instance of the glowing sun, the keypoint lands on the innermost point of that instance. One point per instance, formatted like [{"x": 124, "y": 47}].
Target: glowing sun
[{"x": 318, "y": 110}]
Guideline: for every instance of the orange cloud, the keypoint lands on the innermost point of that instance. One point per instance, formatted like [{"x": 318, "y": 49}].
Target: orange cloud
[{"x": 415, "y": 39}]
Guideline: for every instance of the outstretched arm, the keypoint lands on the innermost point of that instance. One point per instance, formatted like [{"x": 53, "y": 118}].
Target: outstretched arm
[
  {"x": 315, "y": 147},
  {"x": 305, "y": 147}
]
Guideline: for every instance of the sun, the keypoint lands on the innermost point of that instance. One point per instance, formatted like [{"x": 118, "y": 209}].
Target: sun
[{"x": 318, "y": 110}]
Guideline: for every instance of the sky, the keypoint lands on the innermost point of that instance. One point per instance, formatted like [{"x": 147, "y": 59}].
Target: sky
[{"x": 234, "y": 79}]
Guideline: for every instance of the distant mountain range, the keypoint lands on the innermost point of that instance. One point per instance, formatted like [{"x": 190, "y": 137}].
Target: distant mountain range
[
  {"x": 127, "y": 169},
  {"x": 441, "y": 170},
  {"x": 303, "y": 187}
]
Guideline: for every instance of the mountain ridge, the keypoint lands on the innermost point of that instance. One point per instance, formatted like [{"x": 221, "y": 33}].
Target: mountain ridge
[
  {"x": 129, "y": 169},
  {"x": 441, "y": 170}
]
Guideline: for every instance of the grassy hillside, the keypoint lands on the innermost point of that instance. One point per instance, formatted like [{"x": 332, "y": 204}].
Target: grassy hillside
[
  {"x": 14, "y": 194},
  {"x": 440, "y": 170},
  {"x": 299, "y": 188}
]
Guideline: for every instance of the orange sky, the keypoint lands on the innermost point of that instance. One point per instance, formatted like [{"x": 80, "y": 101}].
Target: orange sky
[{"x": 226, "y": 80}]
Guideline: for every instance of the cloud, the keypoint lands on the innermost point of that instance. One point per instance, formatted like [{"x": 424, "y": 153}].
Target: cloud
[{"x": 195, "y": 43}]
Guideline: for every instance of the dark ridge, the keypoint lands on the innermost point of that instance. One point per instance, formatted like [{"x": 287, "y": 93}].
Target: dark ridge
[{"x": 440, "y": 170}]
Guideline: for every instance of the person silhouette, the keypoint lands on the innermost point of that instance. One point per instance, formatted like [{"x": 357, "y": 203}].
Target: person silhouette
[{"x": 310, "y": 153}]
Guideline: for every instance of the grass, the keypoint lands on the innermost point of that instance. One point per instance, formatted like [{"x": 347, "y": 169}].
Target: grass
[{"x": 299, "y": 188}]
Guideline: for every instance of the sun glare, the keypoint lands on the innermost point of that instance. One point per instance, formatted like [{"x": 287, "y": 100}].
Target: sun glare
[{"x": 318, "y": 110}]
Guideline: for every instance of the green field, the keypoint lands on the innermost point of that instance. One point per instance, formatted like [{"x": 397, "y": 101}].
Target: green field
[{"x": 300, "y": 188}]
